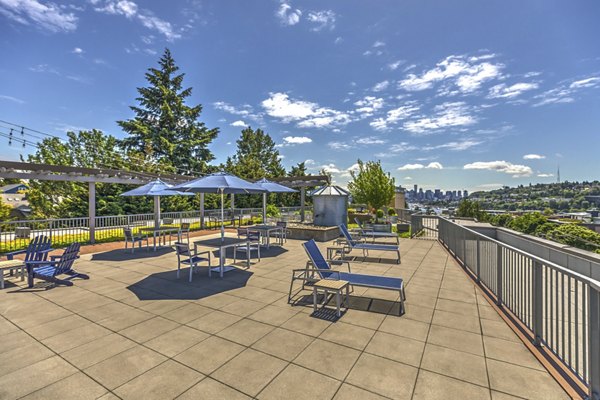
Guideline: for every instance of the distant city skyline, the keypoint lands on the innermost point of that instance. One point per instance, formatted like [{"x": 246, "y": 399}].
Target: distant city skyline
[{"x": 466, "y": 95}]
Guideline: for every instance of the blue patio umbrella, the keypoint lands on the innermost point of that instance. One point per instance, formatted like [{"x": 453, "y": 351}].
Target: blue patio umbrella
[
  {"x": 155, "y": 189},
  {"x": 220, "y": 183},
  {"x": 271, "y": 187}
]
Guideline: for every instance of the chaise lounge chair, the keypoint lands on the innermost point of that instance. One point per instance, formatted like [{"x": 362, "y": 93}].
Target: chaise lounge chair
[
  {"x": 370, "y": 233},
  {"x": 365, "y": 247},
  {"x": 321, "y": 269},
  {"x": 37, "y": 250},
  {"x": 57, "y": 265}
]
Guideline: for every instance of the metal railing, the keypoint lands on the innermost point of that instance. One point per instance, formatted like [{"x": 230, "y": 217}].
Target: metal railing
[
  {"x": 557, "y": 307},
  {"x": 424, "y": 226}
]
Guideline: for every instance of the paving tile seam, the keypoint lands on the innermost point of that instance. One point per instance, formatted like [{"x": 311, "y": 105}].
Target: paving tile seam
[{"x": 412, "y": 395}]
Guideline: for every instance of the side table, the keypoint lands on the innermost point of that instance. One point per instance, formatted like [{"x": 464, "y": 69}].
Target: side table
[{"x": 327, "y": 285}]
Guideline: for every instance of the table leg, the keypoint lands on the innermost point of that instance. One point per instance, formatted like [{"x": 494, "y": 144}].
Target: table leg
[
  {"x": 248, "y": 254},
  {"x": 221, "y": 262},
  {"x": 337, "y": 302},
  {"x": 314, "y": 299}
]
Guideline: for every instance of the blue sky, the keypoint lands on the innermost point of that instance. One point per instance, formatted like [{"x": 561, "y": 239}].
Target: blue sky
[{"x": 463, "y": 94}]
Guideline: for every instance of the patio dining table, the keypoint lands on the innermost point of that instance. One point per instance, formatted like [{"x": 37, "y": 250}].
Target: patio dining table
[
  {"x": 223, "y": 244},
  {"x": 162, "y": 231},
  {"x": 265, "y": 233}
]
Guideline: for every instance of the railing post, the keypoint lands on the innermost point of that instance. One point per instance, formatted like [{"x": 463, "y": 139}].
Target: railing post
[
  {"x": 92, "y": 210},
  {"x": 201, "y": 210},
  {"x": 594, "y": 343},
  {"x": 538, "y": 302},
  {"x": 499, "y": 275},
  {"x": 478, "y": 266}
]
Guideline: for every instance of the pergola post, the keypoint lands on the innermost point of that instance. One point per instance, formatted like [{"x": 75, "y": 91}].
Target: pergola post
[
  {"x": 92, "y": 210},
  {"x": 302, "y": 202},
  {"x": 201, "y": 210},
  {"x": 156, "y": 212}
]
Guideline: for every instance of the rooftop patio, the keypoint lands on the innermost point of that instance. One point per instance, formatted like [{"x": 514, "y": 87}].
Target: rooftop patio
[{"x": 133, "y": 330}]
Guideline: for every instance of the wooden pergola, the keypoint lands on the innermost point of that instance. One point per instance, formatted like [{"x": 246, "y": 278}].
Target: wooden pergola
[
  {"x": 63, "y": 173},
  {"x": 303, "y": 182},
  {"x": 91, "y": 176}
]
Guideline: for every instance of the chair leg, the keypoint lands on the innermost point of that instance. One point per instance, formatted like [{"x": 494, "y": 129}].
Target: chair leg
[{"x": 191, "y": 271}]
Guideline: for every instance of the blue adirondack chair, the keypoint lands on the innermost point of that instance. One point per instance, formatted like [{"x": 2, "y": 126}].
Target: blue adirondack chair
[
  {"x": 48, "y": 270},
  {"x": 37, "y": 250}
]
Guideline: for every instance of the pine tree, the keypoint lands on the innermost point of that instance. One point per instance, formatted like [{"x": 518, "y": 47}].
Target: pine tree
[
  {"x": 256, "y": 156},
  {"x": 165, "y": 130}
]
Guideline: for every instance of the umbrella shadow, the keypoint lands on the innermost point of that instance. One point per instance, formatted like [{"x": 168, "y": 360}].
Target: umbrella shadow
[{"x": 166, "y": 285}]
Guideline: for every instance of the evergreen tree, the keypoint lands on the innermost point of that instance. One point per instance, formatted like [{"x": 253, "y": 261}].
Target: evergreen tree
[
  {"x": 256, "y": 156},
  {"x": 165, "y": 130}
]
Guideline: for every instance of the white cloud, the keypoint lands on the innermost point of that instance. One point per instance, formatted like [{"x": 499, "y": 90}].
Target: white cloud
[
  {"x": 380, "y": 86},
  {"x": 130, "y": 10},
  {"x": 309, "y": 161},
  {"x": 455, "y": 145},
  {"x": 447, "y": 115},
  {"x": 585, "y": 83},
  {"x": 565, "y": 92},
  {"x": 308, "y": 114},
  {"x": 533, "y": 157},
  {"x": 465, "y": 74},
  {"x": 409, "y": 167},
  {"x": 395, "y": 65},
  {"x": 408, "y": 178},
  {"x": 297, "y": 140},
  {"x": 245, "y": 111},
  {"x": 508, "y": 92},
  {"x": 545, "y": 175},
  {"x": 287, "y": 15},
  {"x": 339, "y": 145},
  {"x": 322, "y": 19},
  {"x": 77, "y": 50},
  {"x": 239, "y": 123},
  {"x": 434, "y": 165},
  {"x": 368, "y": 105},
  {"x": 402, "y": 147},
  {"x": 515, "y": 170},
  {"x": 378, "y": 43},
  {"x": 11, "y": 98},
  {"x": 119, "y": 7},
  {"x": 395, "y": 115},
  {"x": 46, "y": 15},
  {"x": 370, "y": 140}
]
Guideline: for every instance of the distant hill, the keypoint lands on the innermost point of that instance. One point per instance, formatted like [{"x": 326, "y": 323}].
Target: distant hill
[{"x": 564, "y": 196}]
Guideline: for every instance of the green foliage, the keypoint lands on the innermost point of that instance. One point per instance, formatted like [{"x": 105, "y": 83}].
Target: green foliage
[
  {"x": 4, "y": 211},
  {"x": 371, "y": 185},
  {"x": 379, "y": 214},
  {"x": 500, "y": 220},
  {"x": 165, "y": 130},
  {"x": 471, "y": 209},
  {"x": 256, "y": 157},
  {"x": 576, "y": 236},
  {"x": 391, "y": 211},
  {"x": 273, "y": 211},
  {"x": 528, "y": 223}
]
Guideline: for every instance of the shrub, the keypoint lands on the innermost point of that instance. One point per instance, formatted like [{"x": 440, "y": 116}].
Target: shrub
[
  {"x": 273, "y": 211},
  {"x": 379, "y": 214},
  {"x": 391, "y": 211}
]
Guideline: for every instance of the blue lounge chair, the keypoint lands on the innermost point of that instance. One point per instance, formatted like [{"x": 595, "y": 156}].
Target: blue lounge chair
[
  {"x": 49, "y": 270},
  {"x": 370, "y": 233},
  {"x": 37, "y": 250},
  {"x": 321, "y": 269},
  {"x": 365, "y": 247}
]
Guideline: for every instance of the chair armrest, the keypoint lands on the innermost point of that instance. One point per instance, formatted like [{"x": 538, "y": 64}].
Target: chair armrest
[
  {"x": 34, "y": 263},
  {"x": 9, "y": 256},
  {"x": 340, "y": 262}
]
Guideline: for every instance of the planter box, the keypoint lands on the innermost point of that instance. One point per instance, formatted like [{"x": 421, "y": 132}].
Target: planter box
[
  {"x": 400, "y": 228},
  {"x": 307, "y": 232},
  {"x": 380, "y": 227}
]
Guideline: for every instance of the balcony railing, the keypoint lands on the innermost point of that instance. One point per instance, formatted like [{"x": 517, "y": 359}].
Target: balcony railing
[
  {"x": 15, "y": 235},
  {"x": 559, "y": 309}
]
